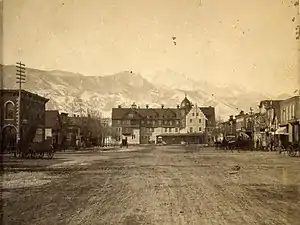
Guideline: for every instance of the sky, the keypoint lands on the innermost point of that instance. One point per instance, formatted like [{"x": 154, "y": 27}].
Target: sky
[{"x": 248, "y": 42}]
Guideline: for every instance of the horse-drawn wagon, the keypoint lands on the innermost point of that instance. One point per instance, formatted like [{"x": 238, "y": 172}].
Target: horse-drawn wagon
[{"x": 35, "y": 150}]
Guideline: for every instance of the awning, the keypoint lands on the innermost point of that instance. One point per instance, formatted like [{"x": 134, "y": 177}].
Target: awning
[
  {"x": 230, "y": 136},
  {"x": 282, "y": 130}
]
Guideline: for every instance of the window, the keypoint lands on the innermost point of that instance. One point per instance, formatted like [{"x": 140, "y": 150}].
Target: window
[
  {"x": 153, "y": 122},
  {"x": 191, "y": 129},
  {"x": 193, "y": 114},
  {"x": 191, "y": 120},
  {"x": 133, "y": 136},
  {"x": 199, "y": 120},
  {"x": 176, "y": 129},
  {"x": 143, "y": 122},
  {"x": 159, "y": 122},
  {"x": 293, "y": 111},
  {"x": 177, "y": 122},
  {"x": 166, "y": 129},
  {"x": 9, "y": 110},
  {"x": 200, "y": 129},
  {"x": 130, "y": 115},
  {"x": 165, "y": 122},
  {"x": 197, "y": 114},
  {"x": 171, "y": 122},
  {"x": 170, "y": 129},
  {"x": 118, "y": 121}
]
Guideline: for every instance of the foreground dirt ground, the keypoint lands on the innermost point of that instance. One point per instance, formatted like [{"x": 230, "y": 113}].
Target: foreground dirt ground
[{"x": 153, "y": 185}]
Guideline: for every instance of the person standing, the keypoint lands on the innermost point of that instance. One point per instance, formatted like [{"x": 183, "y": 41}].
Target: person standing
[
  {"x": 264, "y": 144},
  {"x": 272, "y": 143}
]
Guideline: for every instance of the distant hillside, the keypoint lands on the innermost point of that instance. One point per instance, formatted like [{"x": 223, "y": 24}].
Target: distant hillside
[{"x": 71, "y": 92}]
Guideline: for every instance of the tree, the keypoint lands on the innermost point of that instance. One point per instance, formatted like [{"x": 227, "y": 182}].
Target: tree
[{"x": 77, "y": 106}]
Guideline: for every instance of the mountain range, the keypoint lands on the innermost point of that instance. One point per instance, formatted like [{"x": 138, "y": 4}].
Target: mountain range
[{"x": 76, "y": 93}]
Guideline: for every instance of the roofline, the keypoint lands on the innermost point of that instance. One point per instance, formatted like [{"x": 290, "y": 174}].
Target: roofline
[{"x": 26, "y": 92}]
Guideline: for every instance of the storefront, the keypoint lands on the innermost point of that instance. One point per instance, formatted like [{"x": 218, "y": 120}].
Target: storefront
[
  {"x": 282, "y": 135},
  {"x": 294, "y": 125}
]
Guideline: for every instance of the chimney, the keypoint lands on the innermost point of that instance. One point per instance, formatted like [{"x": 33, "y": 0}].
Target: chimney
[
  {"x": 119, "y": 106},
  {"x": 177, "y": 106},
  {"x": 74, "y": 115},
  {"x": 242, "y": 112},
  {"x": 162, "y": 106},
  {"x": 147, "y": 106},
  {"x": 231, "y": 117}
]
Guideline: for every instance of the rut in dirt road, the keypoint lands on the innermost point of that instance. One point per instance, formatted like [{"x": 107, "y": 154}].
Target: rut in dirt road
[{"x": 163, "y": 185}]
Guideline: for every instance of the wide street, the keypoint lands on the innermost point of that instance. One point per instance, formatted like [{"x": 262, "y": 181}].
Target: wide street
[{"x": 153, "y": 185}]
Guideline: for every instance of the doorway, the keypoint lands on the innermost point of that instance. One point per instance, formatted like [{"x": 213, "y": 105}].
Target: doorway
[{"x": 9, "y": 138}]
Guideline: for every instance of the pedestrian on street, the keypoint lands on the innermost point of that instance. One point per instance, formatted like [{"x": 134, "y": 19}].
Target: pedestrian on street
[
  {"x": 264, "y": 144},
  {"x": 257, "y": 144},
  {"x": 272, "y": 144}
]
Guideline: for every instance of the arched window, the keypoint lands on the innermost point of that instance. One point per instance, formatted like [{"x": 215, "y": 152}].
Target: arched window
[{"x": 9, "y": 110}]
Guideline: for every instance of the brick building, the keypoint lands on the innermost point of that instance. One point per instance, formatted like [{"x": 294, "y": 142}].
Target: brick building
[
  {"x": 32, "y": 117},
  {"x": 145, "y": 125}
]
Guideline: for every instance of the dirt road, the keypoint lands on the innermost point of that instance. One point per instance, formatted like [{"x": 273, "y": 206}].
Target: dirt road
[{"x": 149, "y": 185}]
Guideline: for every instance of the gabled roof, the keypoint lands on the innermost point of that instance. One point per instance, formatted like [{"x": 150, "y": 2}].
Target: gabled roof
[
  {"x": 119, "y": 113},
  {"x": 209, "y": 112}
]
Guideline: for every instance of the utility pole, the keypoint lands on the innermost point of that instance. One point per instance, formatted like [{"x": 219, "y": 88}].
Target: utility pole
[{"x": 20, "y": 79}]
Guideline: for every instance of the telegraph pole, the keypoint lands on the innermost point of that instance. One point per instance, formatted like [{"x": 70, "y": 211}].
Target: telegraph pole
[{"x": 20, "y": 77}]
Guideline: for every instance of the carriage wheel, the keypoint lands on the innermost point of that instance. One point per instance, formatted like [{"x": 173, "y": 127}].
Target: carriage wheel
[
  {"x": 281, "y": 150},
  {"x": 33, "y": 154},
  {"x": 17, "y": 154},
  {"x": 25, "y": 155},
  {"x": 292, "y": 153},
  {"x": 50, "y": 154},
  {"x": 41, "y": 155}
]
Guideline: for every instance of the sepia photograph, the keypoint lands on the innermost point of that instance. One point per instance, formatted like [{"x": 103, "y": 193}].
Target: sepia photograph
[{"x": 139, "y": 112}]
